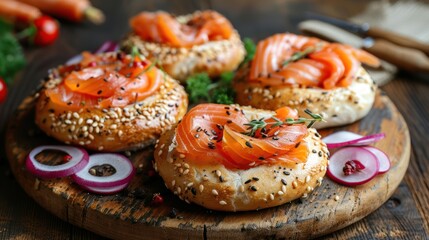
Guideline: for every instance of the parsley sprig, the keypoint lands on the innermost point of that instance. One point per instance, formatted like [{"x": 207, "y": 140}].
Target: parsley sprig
[
  {"x": 11, "y": 55},
  {"x": 201, "y": 88},
  {"x": 259, "y": 124}
]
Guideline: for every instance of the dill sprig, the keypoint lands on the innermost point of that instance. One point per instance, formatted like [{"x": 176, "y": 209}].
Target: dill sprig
[{"x": 260, "y": 124}]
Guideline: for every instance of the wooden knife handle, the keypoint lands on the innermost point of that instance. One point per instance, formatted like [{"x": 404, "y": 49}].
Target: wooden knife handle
[
  {"x": 399, "y": 39},
  {"x": 405, "y": 58}
]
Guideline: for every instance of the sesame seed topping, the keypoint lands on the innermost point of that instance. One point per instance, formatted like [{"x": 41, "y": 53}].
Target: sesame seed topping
[
  {"x": 201, "y": 188},
  {"x": 214, "y": 192},
  {"x": 253, "y": 188},
  {"x": 284, "y": 181},
  {"x": 218, "y": 173},
  {"x": 280, "y": 193},
  {"x": 283, "y": 188},
  {"x": 173, "y": 183},
  {"x": 249, "y": 144},
  {"x": 272, "y": 196},
  {"x": 186, "y": 171},
  {"x": 222, "y": 202},
  {"x": 182, "y": 155},
  {"x": 294, "y": 184},
  {"x": 336, "y": 198},
  {"x": 190, "y": 184}
]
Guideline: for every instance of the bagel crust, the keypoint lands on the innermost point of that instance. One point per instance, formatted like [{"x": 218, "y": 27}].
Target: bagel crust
[
  {"x": 339, "y": 106},
  {"x": 216, "y": 187},
  {"x": 113, "y": 129},
  {"x": 213, "y": 58}
]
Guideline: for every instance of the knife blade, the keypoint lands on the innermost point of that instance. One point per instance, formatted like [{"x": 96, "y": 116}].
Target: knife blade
[
  {"x": 371, "y": 31},
  {"x": 405, "y": 58}
]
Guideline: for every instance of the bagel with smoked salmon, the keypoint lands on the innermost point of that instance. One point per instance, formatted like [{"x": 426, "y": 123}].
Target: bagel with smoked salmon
[
  {"x": 109, "y": 102},
  {"x": 204, "y": 41},
  {"x": 308, "y": 73},
  {"x": 219, "y": 158}
]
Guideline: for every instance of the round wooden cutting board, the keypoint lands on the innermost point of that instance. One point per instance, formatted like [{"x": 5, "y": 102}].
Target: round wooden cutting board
[{"x": 130, "y": 215}]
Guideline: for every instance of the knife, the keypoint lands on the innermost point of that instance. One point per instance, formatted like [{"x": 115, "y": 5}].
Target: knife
[
  {"x": 403, "y": 57},
  {"x": 374, "y": 32}
]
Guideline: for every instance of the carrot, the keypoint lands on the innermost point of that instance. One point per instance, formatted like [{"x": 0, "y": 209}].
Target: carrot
[
  {"x": 73, "y": 10},
  {"x": 18, "y": 12}
]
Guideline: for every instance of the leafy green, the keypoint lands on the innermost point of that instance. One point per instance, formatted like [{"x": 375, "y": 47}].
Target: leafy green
[
  {"x": 11, "y": 57},
  {"x": 201, "y": 88},
  {"x": 250, "y": 47},
  {"x": 197, "y": 87}
]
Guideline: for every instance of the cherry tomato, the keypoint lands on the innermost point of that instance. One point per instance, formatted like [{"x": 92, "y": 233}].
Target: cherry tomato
[
  {"x": 47, "y": 30},
  {"x": 3, "y": 90}
]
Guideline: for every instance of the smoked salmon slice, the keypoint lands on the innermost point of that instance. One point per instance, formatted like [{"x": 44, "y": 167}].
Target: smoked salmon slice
[
  {"x": 103, "y": 82},
  {"x": 162, "y": 27},
  {"x": 217, "y": 133},
  {"x": 289, "y": 59}
]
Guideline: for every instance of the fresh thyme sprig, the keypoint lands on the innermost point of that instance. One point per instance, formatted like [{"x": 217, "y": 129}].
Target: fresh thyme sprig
[
  {"x": 300, "y": 55},
  {"x": 260, "y": 124}
]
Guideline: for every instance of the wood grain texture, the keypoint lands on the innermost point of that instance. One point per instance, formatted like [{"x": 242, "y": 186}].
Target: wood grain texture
[{"x": 128, "y": 214}]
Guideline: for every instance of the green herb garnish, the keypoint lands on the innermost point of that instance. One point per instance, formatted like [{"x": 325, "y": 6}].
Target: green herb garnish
[
  {"x": 11, "y": 56},
  {"x": 300, "y": 55},
  {"x": 259, "y": 124},
  {"x": 250, "y": 47},
  {"x": 201, "y": 88}
]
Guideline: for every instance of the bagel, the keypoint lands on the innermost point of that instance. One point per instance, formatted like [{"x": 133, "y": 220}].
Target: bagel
[
  {"x": 306, "y": 83},
  {"x": 117, "y": 127},
  {"x": 217, "y": 186},
  {"x": 212, "y": 56},
  {"x": 338, "y": 106}
]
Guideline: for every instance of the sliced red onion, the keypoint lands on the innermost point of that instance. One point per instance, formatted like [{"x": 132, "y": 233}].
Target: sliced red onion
[
  {"x": 106, "y": 190},
  {"x": 382, "y": 158},
  {"x": 123, "y": 175},
  {"x": 339, "y": 159},
  {"x": 108, "y": 46},
  {"x": 79, "y": 159},
  {"x": 345, "y": 138},
  {"x": 74, "y": 60}
]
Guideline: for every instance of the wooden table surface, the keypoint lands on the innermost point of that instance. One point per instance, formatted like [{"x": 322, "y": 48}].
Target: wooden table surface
[{"x": 404, "y": 216}]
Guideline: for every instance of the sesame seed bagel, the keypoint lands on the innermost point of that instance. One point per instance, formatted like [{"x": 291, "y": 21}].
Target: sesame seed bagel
[
  {"x": 213, "y": 58},
  {"x": 113, "y": 129},
  {"x": 339, "y": 106},
  {"x": 216, "y": 187}
]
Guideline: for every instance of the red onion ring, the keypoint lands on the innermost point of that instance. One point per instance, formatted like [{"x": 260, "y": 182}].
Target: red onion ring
[
  {"x": 338, "y": 160},
  {"x": 123, "y": 175},
  {"x": 108, "y": 46},
  {"x": 79, "y": 159},
  {"x": 345, "y": 138},
  {"x": 382, "y": 158}
]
